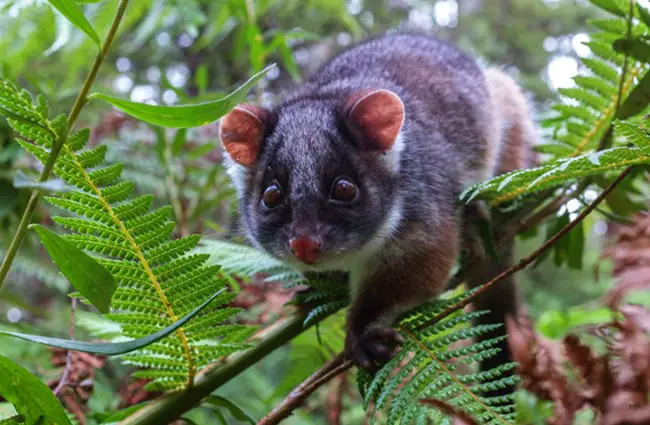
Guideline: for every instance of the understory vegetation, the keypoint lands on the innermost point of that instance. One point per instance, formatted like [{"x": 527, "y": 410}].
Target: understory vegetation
[{"x": 127, "y": 295}]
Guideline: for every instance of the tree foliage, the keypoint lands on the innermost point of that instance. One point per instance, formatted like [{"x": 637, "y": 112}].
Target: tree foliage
[{"x": 168, "y": 272}]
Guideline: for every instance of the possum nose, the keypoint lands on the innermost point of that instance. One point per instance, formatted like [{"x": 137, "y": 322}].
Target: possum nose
[{"x": 305, "y": 249}]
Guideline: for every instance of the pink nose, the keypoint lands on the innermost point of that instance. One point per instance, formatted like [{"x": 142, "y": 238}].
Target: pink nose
[{"x": 305, "y": 249}]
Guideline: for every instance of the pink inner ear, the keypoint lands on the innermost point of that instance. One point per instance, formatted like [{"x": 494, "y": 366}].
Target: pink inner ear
[
  {"x": 376, "y": 117},
  {"x": 242, "y": 133}
]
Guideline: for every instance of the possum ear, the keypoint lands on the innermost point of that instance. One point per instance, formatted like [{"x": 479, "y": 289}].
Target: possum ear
[
  {"x": 242, "y": 132},
  {"x": 375, "y": 118}
]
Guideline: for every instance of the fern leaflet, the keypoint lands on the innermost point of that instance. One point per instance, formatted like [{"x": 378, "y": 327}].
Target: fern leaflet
[
  {"x": 428, "y": 366},
  {"x": 584, "y": 121},
  {"x": 159, "y": 279}
]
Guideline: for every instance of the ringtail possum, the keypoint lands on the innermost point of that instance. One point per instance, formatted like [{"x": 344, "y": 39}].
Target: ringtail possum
[{"x": 359, "y": 169}]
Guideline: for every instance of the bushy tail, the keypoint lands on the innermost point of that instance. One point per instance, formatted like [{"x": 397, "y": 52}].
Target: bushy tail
[
  {"x": 516, "y": 128},
  {"x": 517, "y": 136}
]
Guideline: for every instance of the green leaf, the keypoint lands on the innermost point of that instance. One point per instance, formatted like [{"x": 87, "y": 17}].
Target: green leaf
[
  {"x": 200, "y": 151},
  {"x": 201, "y": 78},
  {"x": 184, "y": 116},
  {"x": 29, "y": 395},
  {"x": 117, "y": 417},
  {"x": 508, "y": 186},
  {"x": 556, "y": 324},
  {"x": 235, "y": 411},
  {"x": 639, "y": 297},
  {"x": 22, "y": 181},
  {"x": 636, "y": 48},
  {"x": 90, "y": 278},
  {"x": 644, "y": 13},
  {"x": 609, "y": 6},
  {"x": 13, "y": 420},
  {"x": 576, "y": 247},
  {"x": 638, "y": 99},
  {"x": 74, "y": 14},
  {"x": 179, "y": 141},
  {"x": 113, "y": 348}
]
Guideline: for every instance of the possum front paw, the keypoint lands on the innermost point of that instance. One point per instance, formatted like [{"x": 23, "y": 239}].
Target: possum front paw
[{"x": 372, "y": 348}]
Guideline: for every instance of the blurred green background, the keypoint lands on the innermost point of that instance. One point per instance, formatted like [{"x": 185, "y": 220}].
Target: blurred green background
[{"x": 176, "y": 51}]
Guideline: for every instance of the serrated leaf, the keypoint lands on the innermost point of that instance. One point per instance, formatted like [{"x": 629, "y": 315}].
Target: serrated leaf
[
  {"x": 113, "y": 348},
  {"x": 89, "y": 277},
  {"x": 184, "y": 116},
  {"x": 74, "y": 14},
  {"x": 29, "y": 395},
  {"x": 521, "y": 182}
]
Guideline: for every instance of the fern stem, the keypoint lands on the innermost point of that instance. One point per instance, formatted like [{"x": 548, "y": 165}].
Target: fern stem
[
  {"x": 171, "y": 406},
  {"x": 79, "y": 103},
  {"x": 443, "y": 366}
]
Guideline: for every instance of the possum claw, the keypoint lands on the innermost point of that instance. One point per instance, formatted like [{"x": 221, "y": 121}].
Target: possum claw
[{"x": 373, "y": 348}]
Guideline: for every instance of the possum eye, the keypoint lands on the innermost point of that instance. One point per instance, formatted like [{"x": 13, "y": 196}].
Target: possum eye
[
  {"x": 273, "y": 196},
  {"x": 343, "y": 190}
]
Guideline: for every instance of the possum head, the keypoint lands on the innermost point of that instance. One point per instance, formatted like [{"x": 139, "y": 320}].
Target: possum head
[{"x": 317, "y": 179}]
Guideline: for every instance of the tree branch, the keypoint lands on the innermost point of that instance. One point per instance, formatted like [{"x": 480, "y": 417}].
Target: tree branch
[
  {"x": 298, "y": 396},
  {"x": 68, "y": 355}
]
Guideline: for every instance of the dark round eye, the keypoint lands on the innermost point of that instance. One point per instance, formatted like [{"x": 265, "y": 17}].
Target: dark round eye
[
  {"x": 343, "y": 190},
  {"x": 272, "y": 196}
]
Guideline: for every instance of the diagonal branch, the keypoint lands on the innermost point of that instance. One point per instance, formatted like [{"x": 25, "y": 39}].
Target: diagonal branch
[{"x": 298, "y": 396}]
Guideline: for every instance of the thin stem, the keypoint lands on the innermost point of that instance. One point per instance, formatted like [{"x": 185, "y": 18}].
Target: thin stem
[
  {"x": 298, "y": 396},
  {"x": 334, "y": 404},
  {"x": 68, "y": 356},
  {"x": 79, "y": 103},
  {"x": 524, "y": 262},
  {"x": 173, "y": 192}
]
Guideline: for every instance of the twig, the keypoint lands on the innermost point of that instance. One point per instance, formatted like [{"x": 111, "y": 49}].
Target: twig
[
  {"x": 298, "y": 396},
  {"x": 173, "y": 192},
  {"x": 334, "y": 405},
  {"x": 79, "y": 103},
  {"x": 532, "y": 257},
  {"x": 68, "y": 356}
]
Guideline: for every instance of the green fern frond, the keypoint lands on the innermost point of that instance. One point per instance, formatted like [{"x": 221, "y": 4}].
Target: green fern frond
[
  {"x": 585, "y": 119},
  {"x": 522, "y": 182},
  {"x": 325, "y": 297},
  {"x": 581, "y": 126},
  {"x": 427, "y": 366},
  {"x": 159, "y": 279},
  {"x": 246, "y": 261}
]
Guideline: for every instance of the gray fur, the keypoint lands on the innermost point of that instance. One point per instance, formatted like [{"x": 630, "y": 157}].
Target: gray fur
[{"x": 446, "y": 133}]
